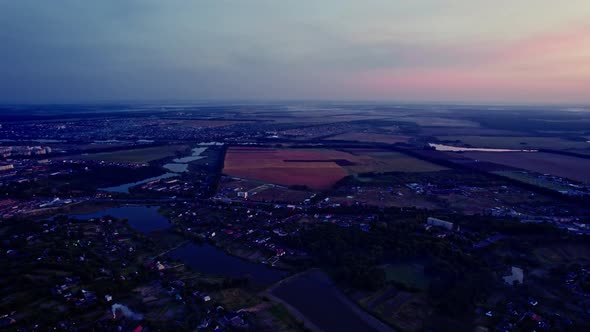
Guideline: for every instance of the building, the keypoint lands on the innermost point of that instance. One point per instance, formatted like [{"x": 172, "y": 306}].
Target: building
[
  {"x": 439, "y": 223},
  {"x": 517, "y": 276},
  {"x": 6, "y": 167}
]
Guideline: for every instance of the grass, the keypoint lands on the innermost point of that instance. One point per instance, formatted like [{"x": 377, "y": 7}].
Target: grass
[
  {"x": 371, "y": 137},
  {"x": 545, "y": 163},
  {"x": 531, "y": 179},
  {"x": 143, "y": 155},
  {"x": 389, "y": 161},
  {"x": 236, "y": 298},
  {"x": 409, "y": 275}
]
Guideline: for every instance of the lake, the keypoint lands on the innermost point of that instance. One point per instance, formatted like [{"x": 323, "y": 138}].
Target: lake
[
  {"x": 211, "y": 260},
  {"x": 144, "y": 219},
  {"x": 450, "y": 148}
]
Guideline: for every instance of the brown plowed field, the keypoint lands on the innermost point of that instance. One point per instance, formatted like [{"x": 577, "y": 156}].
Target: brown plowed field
[{"x": 269, "y": 165}]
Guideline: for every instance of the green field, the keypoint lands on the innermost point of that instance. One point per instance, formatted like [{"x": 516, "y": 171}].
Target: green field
[
  {"x": 142, "y": 155},
  {"x": 388, "y": 161},
  {"x": 531, "y": 179},
  {"x": 409, "y": 275}
]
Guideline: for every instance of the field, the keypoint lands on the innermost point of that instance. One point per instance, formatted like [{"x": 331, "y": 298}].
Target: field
[
  {"x": 371, "y": 138},
  {"x": 315, "y": 297},
  {"x": 142, "y": 155},
  {"x": 376, "y": 160},
  {"x": 469, "y": 193},
  {"x": 429, "y": 121},
  {"x": 410, "y": 275},
  {"x": 407, "y": 311},
  {"x": 532, "y": 179},
  {"x": 467, "y": 131},
  {"x": 517, "y": 142},
  {"x": 546, "y": 163},
  {"x": 317, "y": 169},
  {"x": 287, "y": 167}
]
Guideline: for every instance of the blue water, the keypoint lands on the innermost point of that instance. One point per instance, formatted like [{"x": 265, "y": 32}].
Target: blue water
[
  {"x": 211, "y": 260},
  {"x": 144, "y": 219}
]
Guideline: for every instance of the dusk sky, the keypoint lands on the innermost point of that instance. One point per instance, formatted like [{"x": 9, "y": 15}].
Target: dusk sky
[{"x": 504, "y": 51}]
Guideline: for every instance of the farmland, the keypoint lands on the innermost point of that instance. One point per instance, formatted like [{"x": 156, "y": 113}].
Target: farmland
[
  {"x": 546, "y": 163},
  {"x": 319, "y": 168},
  {"x": 371, "y": 138},
  {"x": 376, "y": 160},
  {"x": 142, "y": 155},
  {"x": 428, "y": 121},
  {"x": 517, "y": 142},
  {"x": 286, "y": 167}
]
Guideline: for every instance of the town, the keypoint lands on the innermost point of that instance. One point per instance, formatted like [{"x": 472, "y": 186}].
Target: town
[{"x": 225, "y": 219}]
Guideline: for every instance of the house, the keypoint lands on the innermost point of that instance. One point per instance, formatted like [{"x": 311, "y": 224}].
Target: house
[
  {"x": 439, "y": 223},
  {"x": 232, "y": 319},
  {"x": 517, "y": 276}
]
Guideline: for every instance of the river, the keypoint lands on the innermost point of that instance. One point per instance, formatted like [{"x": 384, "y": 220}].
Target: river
[{"x": 179, "y": 165}]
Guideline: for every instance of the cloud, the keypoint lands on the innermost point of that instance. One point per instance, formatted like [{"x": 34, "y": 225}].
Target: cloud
[
  {"x": 553, "y": 66},
  {"x": 69, "y": 50}
]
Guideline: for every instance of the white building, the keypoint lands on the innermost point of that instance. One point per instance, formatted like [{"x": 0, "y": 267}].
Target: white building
[{"x": 439, "y": 223}]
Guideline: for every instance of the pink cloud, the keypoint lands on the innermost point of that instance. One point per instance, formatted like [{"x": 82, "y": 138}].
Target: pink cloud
[
  {"x": 565, "y": 43},
  {"x": 553, "y": 66}
]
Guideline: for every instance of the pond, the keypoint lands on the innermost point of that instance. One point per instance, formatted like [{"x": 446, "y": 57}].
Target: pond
[
  {"x": 144, "y": 219},
  {"x": 211, "y": 260}
]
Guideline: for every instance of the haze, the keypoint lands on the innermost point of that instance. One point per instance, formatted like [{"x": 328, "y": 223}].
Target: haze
[{"x": 426, "y": 50}]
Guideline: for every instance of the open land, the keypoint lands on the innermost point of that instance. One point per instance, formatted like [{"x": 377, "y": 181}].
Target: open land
[
  {"x": 286, "y": 167},
  {"x": 312, "y": 292},
  {"x": 142, "y": 155},
  {"x": 560, "y": 165},
  {"x": 371, "y": 137},
  {"x": 317, "y": 169},
  {"x": 517, "y": 142}
]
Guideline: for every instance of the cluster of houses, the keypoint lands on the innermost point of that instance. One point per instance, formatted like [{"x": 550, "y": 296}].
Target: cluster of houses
[
  {"x": 23, "y": 150},
  {"x": 214, "y": 316}
]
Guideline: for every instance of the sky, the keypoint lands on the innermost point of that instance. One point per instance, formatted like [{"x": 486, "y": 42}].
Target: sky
[{"x": 504, "y": 51}]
